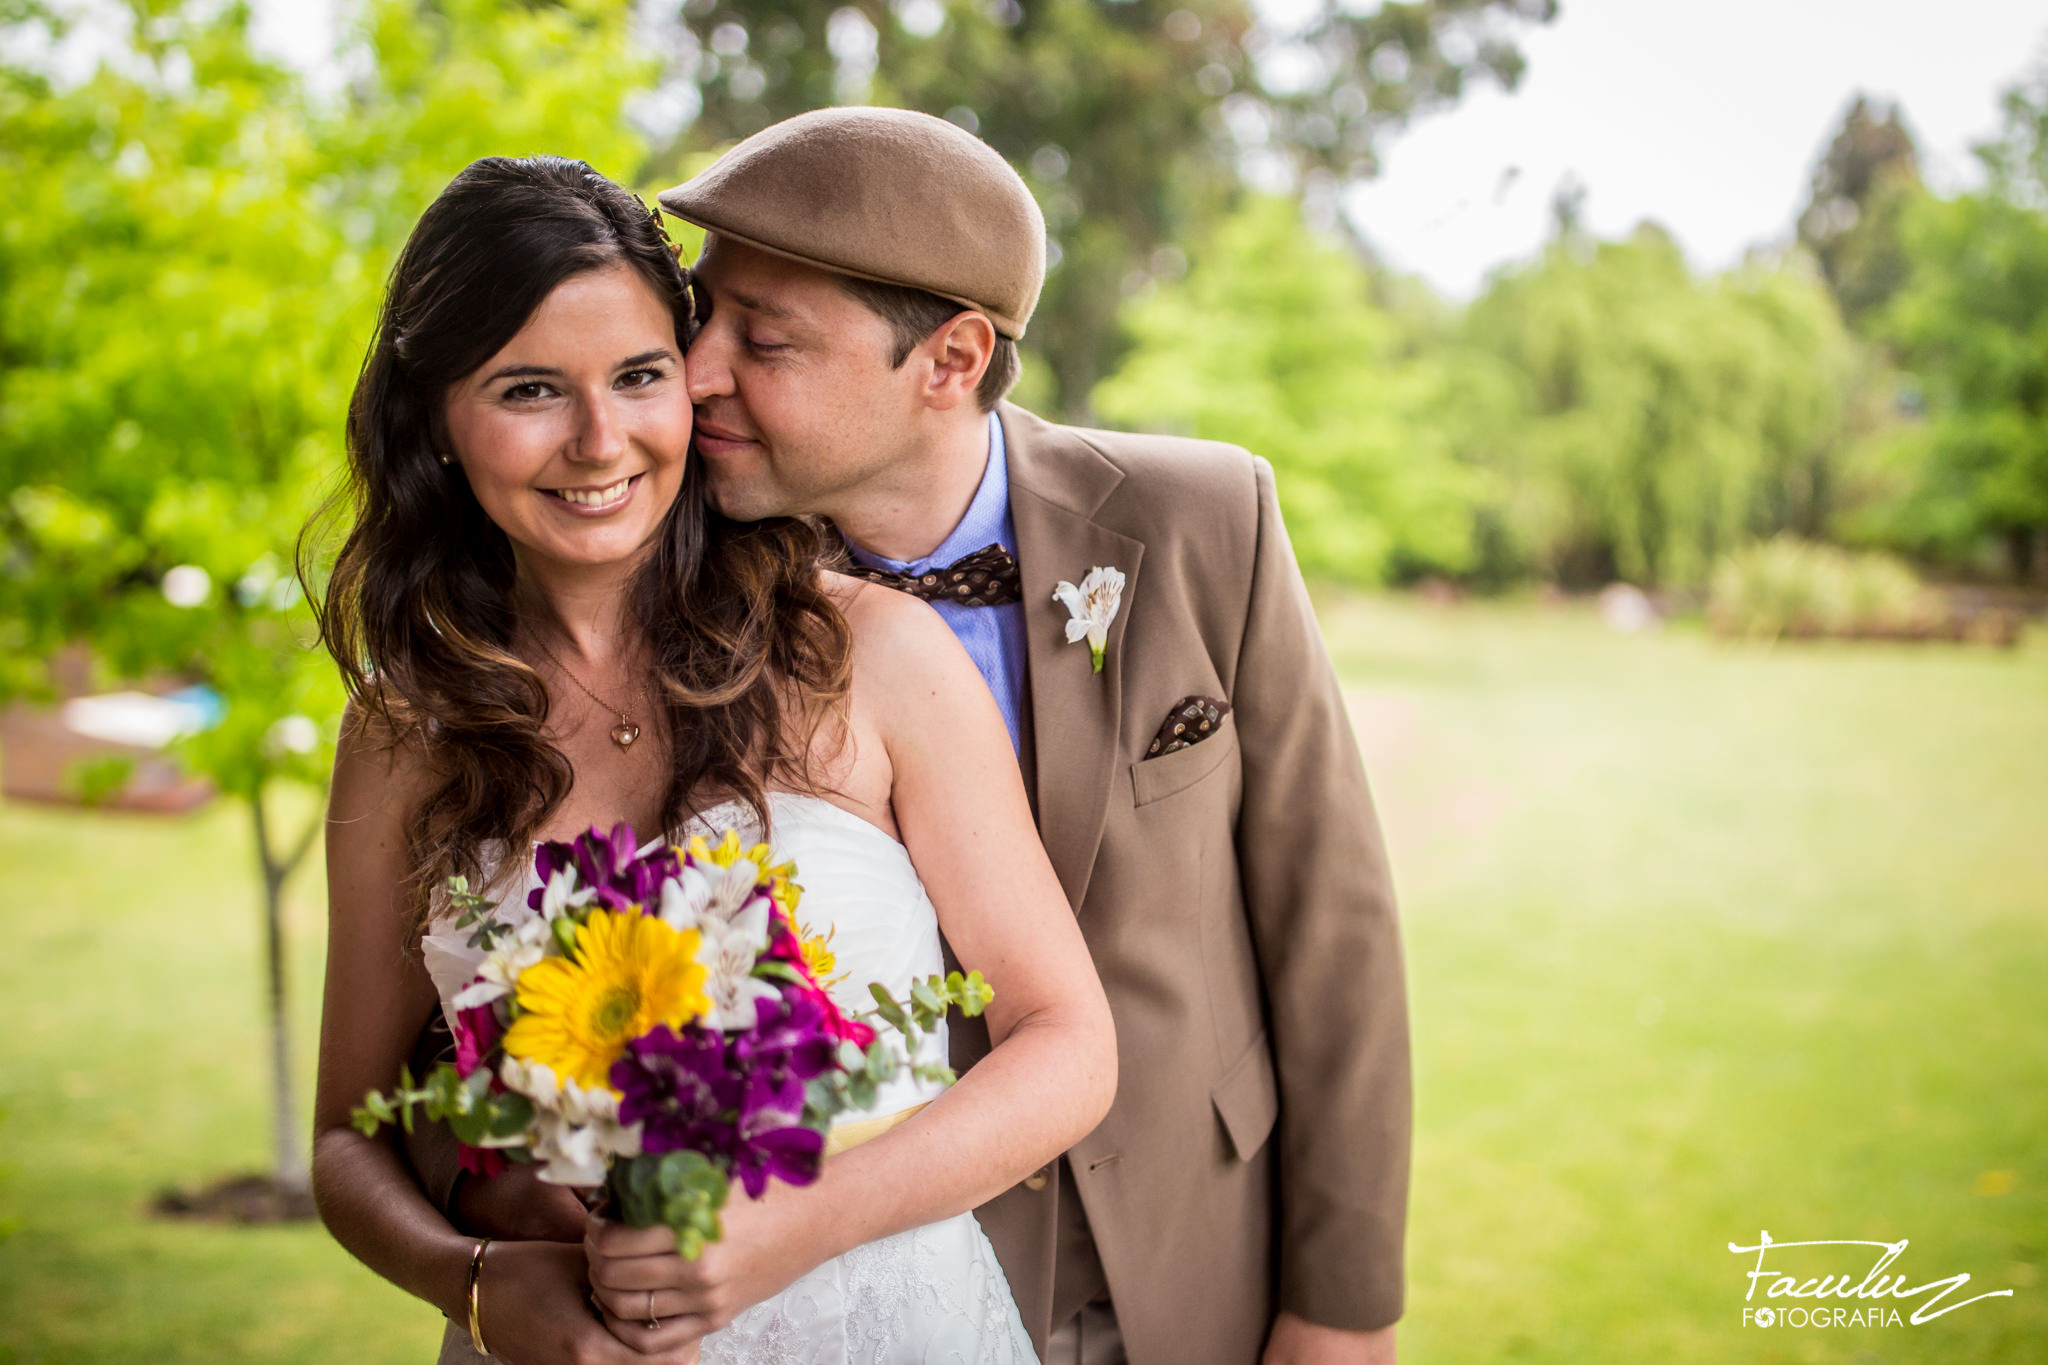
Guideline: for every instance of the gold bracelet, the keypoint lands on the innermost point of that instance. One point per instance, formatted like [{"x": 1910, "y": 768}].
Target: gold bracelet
[{"x": 476, "y": 1321}]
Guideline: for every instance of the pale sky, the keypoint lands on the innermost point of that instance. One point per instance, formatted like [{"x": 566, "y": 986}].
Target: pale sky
[{"x": 1705, "y": 117}]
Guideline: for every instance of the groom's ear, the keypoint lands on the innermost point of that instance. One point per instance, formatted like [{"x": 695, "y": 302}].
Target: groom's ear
[{"x": 956, "y": 356}]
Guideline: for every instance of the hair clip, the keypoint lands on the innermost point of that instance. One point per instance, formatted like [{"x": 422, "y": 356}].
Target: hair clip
[{"x": 654, "y": 216}]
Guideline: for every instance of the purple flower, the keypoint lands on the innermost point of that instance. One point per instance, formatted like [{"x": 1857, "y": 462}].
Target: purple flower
[
  {"x": 738, "y": 1099},
  {"x": 788, "y": 1150},
  {"x": 681, "y": 1088},
  {"x": 610, "y": 865},
  {"x": 790, "y": 1042}
]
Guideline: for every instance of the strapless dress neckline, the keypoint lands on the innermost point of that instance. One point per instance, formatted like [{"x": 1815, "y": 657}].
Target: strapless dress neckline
[{"x": 830, "y": 809}]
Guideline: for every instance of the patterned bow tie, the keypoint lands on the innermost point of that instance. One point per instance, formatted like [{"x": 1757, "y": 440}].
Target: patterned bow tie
[{"x": 986, "y": 578}]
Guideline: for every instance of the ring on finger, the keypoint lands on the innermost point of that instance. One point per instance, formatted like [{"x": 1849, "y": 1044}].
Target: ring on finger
[{"x": 653, "y": 1323}]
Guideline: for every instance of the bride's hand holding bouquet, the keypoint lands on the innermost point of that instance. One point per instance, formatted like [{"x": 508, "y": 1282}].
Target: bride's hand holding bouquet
[{"x": 658, "y": 1026}]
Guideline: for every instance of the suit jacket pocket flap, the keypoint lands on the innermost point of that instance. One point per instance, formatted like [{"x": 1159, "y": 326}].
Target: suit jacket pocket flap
[
  {"x": 1155, "y": 779},
  {"x": 1248, "y": 1098}
]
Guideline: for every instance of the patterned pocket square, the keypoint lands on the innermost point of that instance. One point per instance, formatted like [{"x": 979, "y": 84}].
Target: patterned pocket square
[{"x": 1192, "y": 720}]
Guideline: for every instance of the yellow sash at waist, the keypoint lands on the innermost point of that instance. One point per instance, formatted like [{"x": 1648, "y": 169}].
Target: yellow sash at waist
[{"x": 846, "y": 1136}]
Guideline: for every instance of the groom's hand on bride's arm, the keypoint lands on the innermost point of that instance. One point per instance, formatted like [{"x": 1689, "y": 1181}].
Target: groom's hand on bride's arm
[{"x": 1297, "y": 1341}]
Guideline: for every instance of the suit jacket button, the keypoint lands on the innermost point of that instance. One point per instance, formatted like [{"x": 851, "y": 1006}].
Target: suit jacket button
[{"x": 1036, "y": 1181}]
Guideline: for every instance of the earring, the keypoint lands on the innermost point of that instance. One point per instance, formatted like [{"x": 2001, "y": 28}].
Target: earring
[{"x": 446, "y": 460}]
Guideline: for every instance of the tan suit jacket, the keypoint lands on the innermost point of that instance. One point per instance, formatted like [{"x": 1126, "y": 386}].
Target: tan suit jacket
[{"x": 1236, "y": 898}]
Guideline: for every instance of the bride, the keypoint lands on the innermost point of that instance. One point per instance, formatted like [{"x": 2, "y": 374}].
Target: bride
[{"x": 543, "y": 627}]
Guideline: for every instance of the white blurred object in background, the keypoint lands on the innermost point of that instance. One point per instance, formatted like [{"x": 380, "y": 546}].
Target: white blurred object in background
[{"x": 1625, "y": 608}]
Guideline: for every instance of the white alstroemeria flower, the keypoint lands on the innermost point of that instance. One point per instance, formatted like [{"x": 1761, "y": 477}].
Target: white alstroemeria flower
[
  {"x": 561, "y": 895},
  {"x": 573, "y": 1140},
  {"x": 727, "y": 951},
  {"x": 478, "y": 992},
  {"x": 684, "y": 898},
  {"x": 731, "y": 888},
  {"x": 1091, "y": 607},
  {"x": 568, "y": 1155},
  {"x": 532, "y": 1079},
  {"x": 510, "y": 955}
]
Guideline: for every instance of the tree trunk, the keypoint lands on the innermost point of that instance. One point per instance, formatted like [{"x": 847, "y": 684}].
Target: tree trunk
[
  {"x": 2019, "y": 553},
  {"x": 288, "y": 1152}
]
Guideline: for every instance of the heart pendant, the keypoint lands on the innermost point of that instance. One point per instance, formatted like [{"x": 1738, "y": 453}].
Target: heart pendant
[{"x": 624, "y": 733}]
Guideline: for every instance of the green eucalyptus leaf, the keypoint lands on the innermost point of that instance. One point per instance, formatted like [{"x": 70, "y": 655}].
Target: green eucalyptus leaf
[
  {"x": 973, "y": 995},
  {"x": 886, "y": 1006},
  {"x": 509, "y": 1114},
  {"x": 472, "y": 1126},
  {"x": 883, "y": 1062}
]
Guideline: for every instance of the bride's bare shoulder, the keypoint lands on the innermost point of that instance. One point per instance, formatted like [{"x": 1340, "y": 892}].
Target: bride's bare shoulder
[
  {"x": 885, "y": 623},
  {"x": 845, "y": 591}
]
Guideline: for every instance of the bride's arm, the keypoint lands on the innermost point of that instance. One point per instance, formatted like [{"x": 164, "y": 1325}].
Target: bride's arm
[
  {"x": 377, "y": 997},
  {"x": 960, "y": 805}
]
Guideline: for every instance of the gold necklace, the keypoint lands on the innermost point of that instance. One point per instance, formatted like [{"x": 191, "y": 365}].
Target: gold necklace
[{"x": 625, "y": 732}]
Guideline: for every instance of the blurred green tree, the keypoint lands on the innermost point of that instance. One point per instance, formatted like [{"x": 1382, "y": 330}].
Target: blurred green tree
[
  {"x": 191, "y": 249},
  {"x": 1640, "y": 421},
  {"x": 1133, "y": 120},
  {"x": 1854, "y": 211},
  {"x": 1972, "y": 324},
  {"x": 1273, "y": 341},
  {"x": 168, "y": 333}
]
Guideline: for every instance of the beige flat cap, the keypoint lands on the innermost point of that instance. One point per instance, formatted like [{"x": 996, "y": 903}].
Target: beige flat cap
[{"x": 883, "y": 194}]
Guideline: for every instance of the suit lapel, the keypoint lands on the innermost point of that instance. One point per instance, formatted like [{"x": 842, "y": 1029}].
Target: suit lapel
[{"x": 1057, "y": 482}]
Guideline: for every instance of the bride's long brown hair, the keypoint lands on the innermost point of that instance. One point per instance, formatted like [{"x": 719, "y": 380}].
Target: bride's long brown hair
[{"x": 419, "y": 609}]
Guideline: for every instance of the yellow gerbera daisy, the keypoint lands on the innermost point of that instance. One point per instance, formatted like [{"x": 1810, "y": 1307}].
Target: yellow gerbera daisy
[{"x": 629, "y": 972}]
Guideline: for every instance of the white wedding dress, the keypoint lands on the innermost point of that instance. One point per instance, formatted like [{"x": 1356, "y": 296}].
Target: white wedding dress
[{"x": 932, "y": 1294}]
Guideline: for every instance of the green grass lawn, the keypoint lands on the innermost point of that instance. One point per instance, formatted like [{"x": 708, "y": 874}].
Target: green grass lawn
[{"x": 1702, "y": 940}]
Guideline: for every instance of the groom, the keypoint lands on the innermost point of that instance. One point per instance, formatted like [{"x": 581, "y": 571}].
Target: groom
[
  {"x": 865, "y": 279},
  {"x": 1196, "y": 782}
]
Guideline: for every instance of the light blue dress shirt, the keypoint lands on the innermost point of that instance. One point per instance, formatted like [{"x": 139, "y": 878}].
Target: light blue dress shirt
[{"x": 993, "y": 636}]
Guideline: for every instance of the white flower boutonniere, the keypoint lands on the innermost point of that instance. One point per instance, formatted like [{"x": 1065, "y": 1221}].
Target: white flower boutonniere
[{"x": 1092, "y": 606}]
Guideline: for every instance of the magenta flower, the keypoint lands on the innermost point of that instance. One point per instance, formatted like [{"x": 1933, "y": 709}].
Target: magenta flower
[
  {"x": 484, "y": 1162},
  {"x": 477, "y": 1031}
]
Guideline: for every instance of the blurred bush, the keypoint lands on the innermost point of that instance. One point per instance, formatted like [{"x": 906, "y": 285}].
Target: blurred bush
[{"x": 1787, "y": 586}]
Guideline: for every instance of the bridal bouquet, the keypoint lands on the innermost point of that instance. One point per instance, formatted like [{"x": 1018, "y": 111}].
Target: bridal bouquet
[{"x": 658, "y": 1028}]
